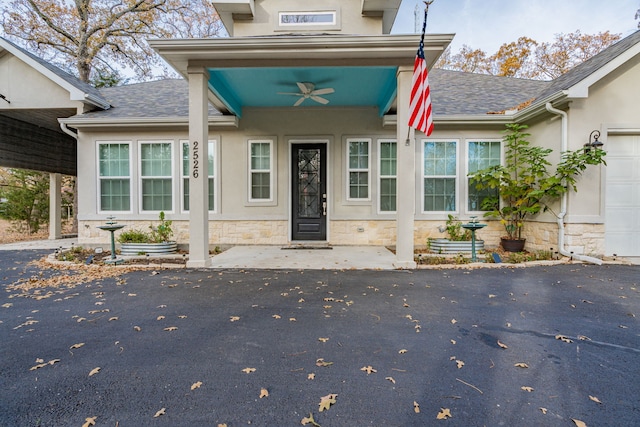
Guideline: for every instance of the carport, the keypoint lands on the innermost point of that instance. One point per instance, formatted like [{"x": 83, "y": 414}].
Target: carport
[{"x": 33, "y": 96}]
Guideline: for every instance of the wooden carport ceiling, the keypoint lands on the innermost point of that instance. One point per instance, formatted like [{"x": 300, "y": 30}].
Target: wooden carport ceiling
[{"x": 32, "y": 139}]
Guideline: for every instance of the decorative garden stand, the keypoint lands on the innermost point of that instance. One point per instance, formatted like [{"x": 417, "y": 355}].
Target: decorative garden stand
[
  {"x": 472, "y": 226},
  {"x": 112, "y": 226}
]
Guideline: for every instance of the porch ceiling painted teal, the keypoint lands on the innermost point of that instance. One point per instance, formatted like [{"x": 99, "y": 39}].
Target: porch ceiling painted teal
[{"x": 259, "y": 87}]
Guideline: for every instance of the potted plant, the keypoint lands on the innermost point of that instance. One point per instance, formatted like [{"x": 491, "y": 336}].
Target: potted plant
[
  {"x": 458, "y": 240},
  {"x": 524, "y": 186},
  {"x": 155, "y": 241}
]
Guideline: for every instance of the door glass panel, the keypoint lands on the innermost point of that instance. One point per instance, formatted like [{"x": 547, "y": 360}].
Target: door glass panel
[{"x": 309, "y": 183}]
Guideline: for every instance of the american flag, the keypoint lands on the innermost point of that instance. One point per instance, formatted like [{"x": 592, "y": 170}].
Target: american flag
[{"x": 420, "y": 114}]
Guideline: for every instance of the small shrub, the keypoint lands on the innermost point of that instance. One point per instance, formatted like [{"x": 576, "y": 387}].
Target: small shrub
[
  {"x": 162, "y": 232},
  {"x": 134, "y": 236},
  {"x": 455, "y": 231}
]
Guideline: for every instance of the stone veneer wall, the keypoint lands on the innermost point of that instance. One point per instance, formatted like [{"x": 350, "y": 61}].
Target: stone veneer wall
[{"x": 585, "y": 239}]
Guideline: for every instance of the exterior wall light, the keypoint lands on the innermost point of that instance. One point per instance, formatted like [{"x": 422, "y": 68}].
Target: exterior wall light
[{"x": 593, "y": 141}]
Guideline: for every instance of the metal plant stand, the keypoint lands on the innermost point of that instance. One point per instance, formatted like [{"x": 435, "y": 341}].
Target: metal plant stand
[{"x": 111, "y": 226}]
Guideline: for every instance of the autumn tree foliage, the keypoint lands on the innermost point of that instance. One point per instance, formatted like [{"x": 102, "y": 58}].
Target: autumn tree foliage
[
  {"x": 97, "y": 39},
  {"x": 529, "y": 59}
]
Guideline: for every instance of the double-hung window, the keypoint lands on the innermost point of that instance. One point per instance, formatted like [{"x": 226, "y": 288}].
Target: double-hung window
[
  {"x": 260, "y": 171},
  {"x": 156, "y": 181},
  {"x": 114, "y": 176},
  {"x": 388, "y": 174},
  {"x": 439, "y": 174},
  {"x": 211, "y": 153},
  {"x": 358, "y": 169},
  {"x": 481, "y": 155}
]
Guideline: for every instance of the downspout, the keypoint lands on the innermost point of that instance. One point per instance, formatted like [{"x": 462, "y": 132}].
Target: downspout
[
  {"x": 563, "y": 202},
  {"x": 68, "y": 131}
]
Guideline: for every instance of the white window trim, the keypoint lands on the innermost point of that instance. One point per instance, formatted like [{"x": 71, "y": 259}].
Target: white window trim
[
  {"x": 349, "y": 170},
  {"x": 172, "y": 176},
  {"x": 216, "y": 180},
  {"x": 272, "y": 167},
  {"x": 465, "y": 196},
  {"x": 380, "y": 176},
  {"x": 98, "y": 181},
  {"x": 456, "y": 176}
]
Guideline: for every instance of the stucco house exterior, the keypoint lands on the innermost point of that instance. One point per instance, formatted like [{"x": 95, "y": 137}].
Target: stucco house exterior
[{"x": 293, "y": 130}]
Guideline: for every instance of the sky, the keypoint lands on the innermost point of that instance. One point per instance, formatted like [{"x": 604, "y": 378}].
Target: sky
[{"x": 487, "y": 24}]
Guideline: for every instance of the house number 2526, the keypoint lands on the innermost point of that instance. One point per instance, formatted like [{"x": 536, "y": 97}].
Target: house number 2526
[{"x": 195, "y": 156}]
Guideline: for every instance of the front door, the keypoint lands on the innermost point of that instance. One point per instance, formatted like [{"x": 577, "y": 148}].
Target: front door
[{"x": 309, "y": 192}]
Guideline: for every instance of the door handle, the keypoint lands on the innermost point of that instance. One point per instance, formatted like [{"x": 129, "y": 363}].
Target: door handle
[{"x": 324, "y": 208}]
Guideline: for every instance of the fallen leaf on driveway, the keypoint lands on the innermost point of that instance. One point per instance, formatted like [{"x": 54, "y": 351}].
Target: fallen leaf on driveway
[
  {"x": 578, "y": 423},
  {"x": 544, "y": 410},
  {"x": 563, "y": 338},
  {"x": 525, "y": 388},
  {"x": 327, "y": 401},
  {"x": 502, "y": 345},
  {"x": 76, "y": 346},
  {"x": 196, "y": 385},
  {"x": 160, "y": 318},
  {"x": 321, "y": 362},
  {"x": 309, "y": 420},
  {"x": 368, "y": 369},
  {"x": 311, "y": 376},
  {"x": 137, "y": 328},
  {"x": 416, "y": 407},
  {"x": 454, "y": 321},
  {"x": 171, "y": 328},
  {"x": 88, "y": 422},
  {"x": 234, "y": 318},
  {"x": 248, "y": 370},
  {"x": 460, "y": 364},
  {"x": 595, "y": 399},
  {"x": 264, "y": 393},
  {"x": 390, "y": 379},
  {"x": 403, "y": 351},
  {"x": 521, "y": 365},
  {"x": 160, "y": 412},
  {"x": 444, "y": 414},
  {"x": 113, "y": 318},
  {"x": 277, "y": 316},
  {"x": 323, "y": 339},
  {"x": 94, "y": 371}
]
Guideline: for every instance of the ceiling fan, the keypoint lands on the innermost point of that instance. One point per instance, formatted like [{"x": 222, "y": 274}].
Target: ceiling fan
[{"x": 309, "y": 91}]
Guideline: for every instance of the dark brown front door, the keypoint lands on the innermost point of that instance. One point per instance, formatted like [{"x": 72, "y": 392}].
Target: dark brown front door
[{"x": 309, "y": 188}]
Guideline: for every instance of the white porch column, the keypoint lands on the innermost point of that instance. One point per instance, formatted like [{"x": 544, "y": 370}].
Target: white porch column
[
  {"x": 406, "y": 176},
  {"x": 55, "y": 206},
  {"x": 198, "y": 168}
]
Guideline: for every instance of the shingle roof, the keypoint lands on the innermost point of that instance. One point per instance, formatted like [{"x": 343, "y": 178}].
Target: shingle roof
[
  {"x": 459, "y": 93},
  {"x": 156, "y": 99},
  {"x": 588, "y": 67},
  {"x": 69, "y": 78}
]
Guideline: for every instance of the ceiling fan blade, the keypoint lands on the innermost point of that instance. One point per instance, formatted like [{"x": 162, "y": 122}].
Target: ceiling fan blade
[
  {"x": 305, "y": 87},
  {"x": 319, "y": 99},
  {"x": 290, "y": 93},
  {"x": 298, "y": 102},
  {"x": 325, "y": 91}
]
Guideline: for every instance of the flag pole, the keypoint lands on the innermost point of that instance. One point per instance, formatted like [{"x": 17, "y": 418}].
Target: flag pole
[{"x": 427, "y": 3}]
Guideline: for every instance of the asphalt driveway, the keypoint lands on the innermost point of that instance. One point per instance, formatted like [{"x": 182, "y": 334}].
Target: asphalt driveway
[{"x": 537, "y": 346}]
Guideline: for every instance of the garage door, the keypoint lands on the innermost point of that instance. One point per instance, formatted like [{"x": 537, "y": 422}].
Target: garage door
[{"x": 622, "y": 206}]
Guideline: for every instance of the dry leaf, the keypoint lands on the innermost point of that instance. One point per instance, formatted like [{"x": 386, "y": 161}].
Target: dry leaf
[
  {"x": 321, "y": 362},
  {"x": 137, "y": 328},
  {"x": 113, "y": 318},
  {"x": 94, "y": 371},
  {"x": 390, "y": 379},
  {"x": 544, "y": 410},
  {"x": 525, "y": 388},
  {"x": 51, "y": 362},
  {"x": 234, "y": 318},
  {"x": 160, "y": 412},
  {"x": 76, "y": 346},
  {"x": 444, "y": 414},
  {"x": 327, "y": 401},
  {"x": 171, "y": 328},
  {"x": 309, "y": 420},
  {"x": 311, "y": 376},
  {"x": 159, "y": 317},
  {"x": 563, "y": 338},
  {"x": 454, "y": 321},
  {"x": 416, "y": 407},
  {"x": 460, "y": 364},
  {"x": 453, "y": 342},
  {"x": 595, "y": 399},
  {"x": 368, "y": 369},
  {"x": 584, "y": 338},
  {"x": 133, "y": 295},
  {"x": 578, "y": 423},
  {"x": 292, "y": 319},
  {"x": 88, "y": 422},
  {"x": 277, "y": 316},
  {"x": 182, "y": 316},
  {"x": 80, "y": 319},
  {"x": 41, "y": 365},
  {"x": 502, "y": 345},
  {"x": 222, "y": 425},
  {"x": 248, "y": 370},
  {"x": 492, "y": 296},
  {"x": 196, "y": 385},
  {"x": 323, "y": 339},
  {"x": 264, "y": 393},
  {"x": 403, "y": 351},
  {"x": 521, "y": 365}
]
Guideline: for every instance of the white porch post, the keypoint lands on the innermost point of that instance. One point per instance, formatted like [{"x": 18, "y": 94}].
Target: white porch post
[
  {"x": 55, "y": 206},
  {"x": 406, "y": 177},
  {"x": 198, "y": 168}
]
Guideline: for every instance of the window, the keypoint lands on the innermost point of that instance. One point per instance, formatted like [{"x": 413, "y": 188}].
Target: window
[
  {"x": 156, "y": 181},
  {"x": 358, "y": 169},
  {"x": 307, "y": 18},
  {"x": 439, "y": 176},
  {"x": 260, "y": 171},
  {"x": 481, "y": 155},
  {"x": 388, "y": 173},
  {"x": 185, "y": 174},
  {"x": 114, "y": 176}
]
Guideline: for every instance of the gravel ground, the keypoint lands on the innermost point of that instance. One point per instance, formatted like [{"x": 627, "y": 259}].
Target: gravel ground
[{"x": 396, "y": 348}]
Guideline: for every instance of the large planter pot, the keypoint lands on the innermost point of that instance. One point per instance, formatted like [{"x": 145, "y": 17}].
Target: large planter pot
[
  {"x": 148, "y": 248},
  {"x": 512, "y": 245},
  {"x": 446, "y": 246}
]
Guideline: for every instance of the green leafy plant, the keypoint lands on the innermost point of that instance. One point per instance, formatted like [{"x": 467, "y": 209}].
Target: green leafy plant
[
  {"x": 523, "y": 185},
  {"x": 134, "y": 236},
  {"x": 455, "y": 231},
  {"x": 158, "y": 234}
]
